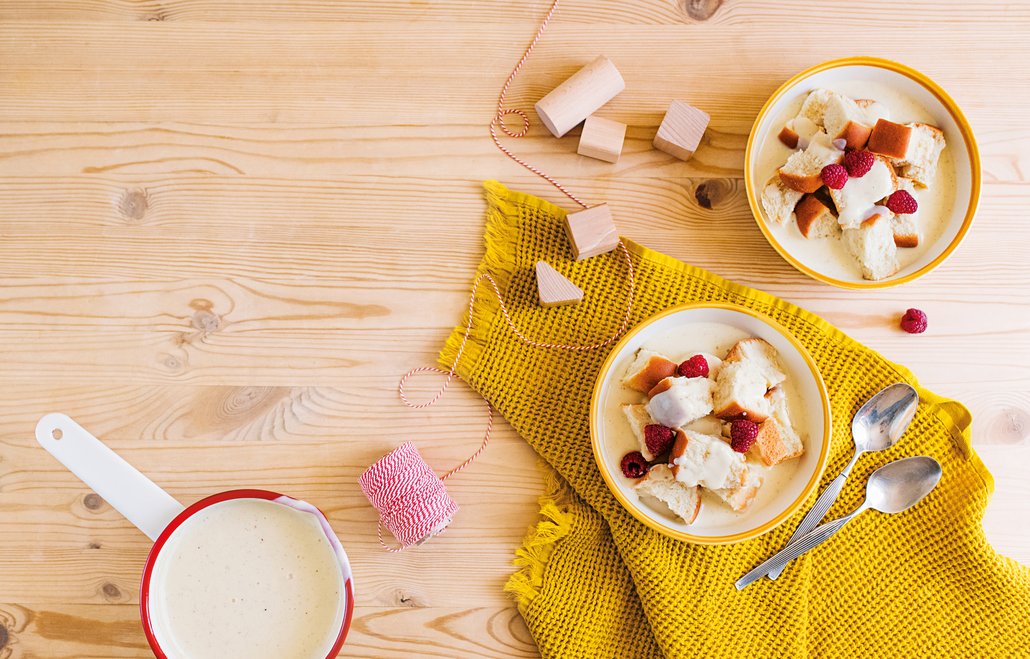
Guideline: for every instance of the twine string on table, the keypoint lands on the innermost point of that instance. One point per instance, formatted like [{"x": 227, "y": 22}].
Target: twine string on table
[{"x": 412, "y": 501}]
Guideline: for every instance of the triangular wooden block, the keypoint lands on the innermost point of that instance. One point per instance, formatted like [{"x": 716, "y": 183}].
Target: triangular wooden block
[{"x": 555, "y": 290}]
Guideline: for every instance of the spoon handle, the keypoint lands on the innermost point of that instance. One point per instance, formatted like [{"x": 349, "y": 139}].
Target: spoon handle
[
  {"x": 818, "y": 511},
  {"x": 813, "y": 538}
]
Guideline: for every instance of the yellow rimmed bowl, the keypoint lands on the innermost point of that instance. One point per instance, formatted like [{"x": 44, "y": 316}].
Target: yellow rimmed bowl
[
  {"x": 611, "y": 438},
  {"x": 911, "y": 85}
]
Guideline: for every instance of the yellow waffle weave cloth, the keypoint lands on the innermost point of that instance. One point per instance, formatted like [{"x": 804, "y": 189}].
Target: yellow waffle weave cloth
[{"x": 592, "y": 581}]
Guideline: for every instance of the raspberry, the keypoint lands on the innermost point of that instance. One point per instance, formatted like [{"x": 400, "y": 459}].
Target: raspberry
[
  {"x": 633, "y": 465},
  {"x": 834, "y": 176},
  {"x": 858, "y": 163},
  {"x": 902, "y": 203},
  {"x": 743, "y": 434},
  {"x": 695, "y": 367},
  {"x": 914, "y": 321},
  {"x": 658, "y": 438}
]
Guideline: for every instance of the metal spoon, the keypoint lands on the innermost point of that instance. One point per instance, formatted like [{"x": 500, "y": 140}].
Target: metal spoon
[
  {"x": 877, "y": 425},
  {"x": 892, "y": 488}
]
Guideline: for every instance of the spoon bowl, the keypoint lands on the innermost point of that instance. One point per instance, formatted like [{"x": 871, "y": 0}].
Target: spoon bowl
[
  {"x": 901, "y": 484},
  {"x": 881, "y": 422}
]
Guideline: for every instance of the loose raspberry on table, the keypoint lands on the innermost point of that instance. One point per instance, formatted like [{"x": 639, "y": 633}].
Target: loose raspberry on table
[
  {"x": 658, "y": 438},
  {"x": 634, "y": 465},
  {"x": 914, "y": 321},
  {"x": 834, "y": 176},
  {"x": 858, "y": 163},
  {"x": 902, "y": 202},
  {"x": 743, "y": 434},
  {"x": 695, "y": 367}
]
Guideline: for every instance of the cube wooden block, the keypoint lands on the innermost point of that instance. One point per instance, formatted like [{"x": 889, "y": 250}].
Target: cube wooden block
[
  {"x": 681, "y": 130},
  {"x": 591, "y": 232},
  {"x": 555, "y": 290},
  {"x": 602, "y": 139}
]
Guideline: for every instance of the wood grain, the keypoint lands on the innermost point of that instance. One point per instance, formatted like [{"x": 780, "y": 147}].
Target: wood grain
[{"x": 226, "y": 228}]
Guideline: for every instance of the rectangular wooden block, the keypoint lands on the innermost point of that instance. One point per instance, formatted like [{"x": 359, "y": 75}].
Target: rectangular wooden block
[
  {"x": 591, "y": 232},
  {"x": 602, "y": 139},
  {"x": 681, "y": 130}
]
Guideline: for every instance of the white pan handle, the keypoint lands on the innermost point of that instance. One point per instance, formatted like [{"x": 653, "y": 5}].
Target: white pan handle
[{"x": 127, "y": 490}]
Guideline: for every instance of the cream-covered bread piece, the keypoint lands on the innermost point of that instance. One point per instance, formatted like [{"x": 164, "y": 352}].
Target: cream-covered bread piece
[
  {"x": 924, "y": 151},
  {"x": 762, "y": 354},
  {"x": 740, "y": 392},
  {"x": 872, "y": 244},
  {"x": 859, "y": 195},
  {"x": 740, "y": 497},
  {"x": 804, "y": 129},
  {"x": 706, "y": 460},
  {"x": 777, "y": 440},
  {"x": 648, "y": 369},
  {"x": 638, "y": 419},
  {"x": 683, "y": 500},
  {"x": 906, "y": 226},
  {"x": 802, "y": 170},
  {"x": 778, "y": 200},
  {"x": 676, "y": 401}
]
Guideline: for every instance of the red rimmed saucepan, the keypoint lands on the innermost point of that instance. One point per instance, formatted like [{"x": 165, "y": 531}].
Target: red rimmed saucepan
[{"x": 240, "y": 573}]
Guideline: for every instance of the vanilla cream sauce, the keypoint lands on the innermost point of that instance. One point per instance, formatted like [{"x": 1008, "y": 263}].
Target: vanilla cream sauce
[
  {"x": 679, "y": 344},
  {"x": 830, "y": 256},
  {"x": 247, "y": 578}
]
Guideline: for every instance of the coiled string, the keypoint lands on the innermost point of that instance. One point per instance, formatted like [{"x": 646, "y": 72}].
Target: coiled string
[{"x": 412, "y": 501}]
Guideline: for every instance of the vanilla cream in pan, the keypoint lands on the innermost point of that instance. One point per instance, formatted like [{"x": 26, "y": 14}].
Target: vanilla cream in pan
[{"x": 247, "y": 578}]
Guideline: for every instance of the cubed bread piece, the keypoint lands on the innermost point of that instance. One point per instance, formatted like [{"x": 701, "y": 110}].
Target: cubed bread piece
[
  {"x": 683, "y": 500},
  {"x": 648, "y": 369},
  {"x": 844, "y": 119},
  {"x": 906, "y": 226},
  {"x": 740, "y": 497},
  {"x": 676, "y": 402},
  {"x": 802, "y": 170},
  {"x": 859, "y": 195},
  {"x": 924, "y": 152},
  {"x": 777, "y": 440},
  {"x": 788, "y": 137},
  {"x": 762, "y": 354},
  {"x": 706, "y": 460},
  {"x": 890, "y": 139},
  {"x": 872, "y": 245},
  {"x": 815, "y": 219},
  {"x": 740, "y": 392},
  {"x": 639, "y": 418},
  {"x": 778, "y": 201},
  {"x": 814, "y": 106}
]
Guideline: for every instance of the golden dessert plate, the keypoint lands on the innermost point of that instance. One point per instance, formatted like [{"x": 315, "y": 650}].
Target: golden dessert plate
[
  {"x": 853, "y": 75},
  {"x": 712, "y": 327}
]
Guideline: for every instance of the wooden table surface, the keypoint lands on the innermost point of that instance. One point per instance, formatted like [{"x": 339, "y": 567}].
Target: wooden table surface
[{"x": 226, "y": 228}]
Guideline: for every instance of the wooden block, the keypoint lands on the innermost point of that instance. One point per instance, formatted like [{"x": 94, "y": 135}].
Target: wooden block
[
  {"x": 602, "y": 139},
  {"x": 580, "y": 96},
  {"x": 591, "y": 232},
  {"x": 681, "y": 130},
  {"x": 555, "y": 290}
]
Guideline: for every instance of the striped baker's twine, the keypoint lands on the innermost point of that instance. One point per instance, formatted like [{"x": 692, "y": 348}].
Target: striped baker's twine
[{"x": 412, "y": 502}]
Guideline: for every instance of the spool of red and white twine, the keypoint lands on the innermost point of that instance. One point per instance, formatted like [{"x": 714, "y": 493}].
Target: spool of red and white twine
[{"x": 412, "y": 501}]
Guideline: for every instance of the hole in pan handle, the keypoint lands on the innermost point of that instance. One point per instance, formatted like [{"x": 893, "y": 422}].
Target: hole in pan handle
[{"x": 128, "y": 491}]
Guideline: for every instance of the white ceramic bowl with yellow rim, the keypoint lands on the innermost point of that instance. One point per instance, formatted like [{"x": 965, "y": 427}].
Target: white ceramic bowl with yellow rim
[
  {"x": 911, "y": 96},
  {"x": 714, "y": 328}
]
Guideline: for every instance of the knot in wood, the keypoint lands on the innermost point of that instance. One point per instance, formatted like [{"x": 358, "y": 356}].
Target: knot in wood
[
  {"x": 93, "y": 501},
  {"x": 700, "y": 10}
]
